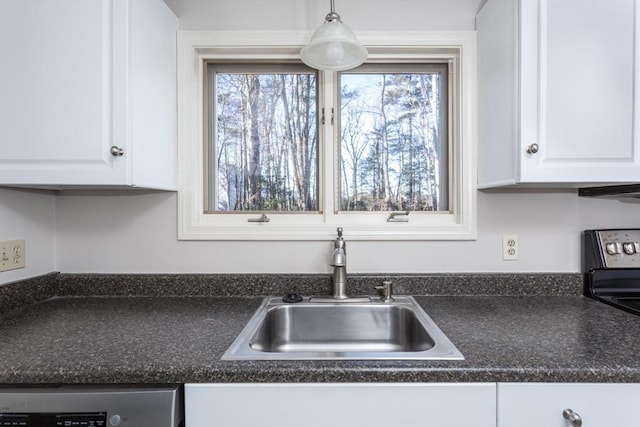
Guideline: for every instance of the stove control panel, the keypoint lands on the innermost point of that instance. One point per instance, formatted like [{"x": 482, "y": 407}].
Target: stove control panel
[{"x": 614, "y": 248}]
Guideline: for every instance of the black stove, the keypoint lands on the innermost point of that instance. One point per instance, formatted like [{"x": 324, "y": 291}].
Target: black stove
[{"x": 611, "y": 265}]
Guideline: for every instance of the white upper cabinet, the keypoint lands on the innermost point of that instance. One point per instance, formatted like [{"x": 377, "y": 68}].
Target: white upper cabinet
[
  {"x": 88, "y": 93},
  {"x": 557, "y": 92}
]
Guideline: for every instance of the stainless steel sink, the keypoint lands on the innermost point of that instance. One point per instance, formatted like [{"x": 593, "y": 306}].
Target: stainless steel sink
[{"x": 310, "y": 330}]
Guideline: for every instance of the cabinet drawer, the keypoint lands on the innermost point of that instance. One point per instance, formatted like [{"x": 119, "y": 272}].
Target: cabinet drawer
[
  {"x": 598, "y": 405},
  {"x": 339, "y": 405}
]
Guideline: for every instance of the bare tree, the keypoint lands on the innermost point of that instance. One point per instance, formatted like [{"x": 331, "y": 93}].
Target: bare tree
[{"x": 254, "y": 166}]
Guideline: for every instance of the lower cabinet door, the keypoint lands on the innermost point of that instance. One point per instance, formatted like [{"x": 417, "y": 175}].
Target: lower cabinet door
[
  {"x": 568, "y": 405},
  {"x": 340, "y": 405}
]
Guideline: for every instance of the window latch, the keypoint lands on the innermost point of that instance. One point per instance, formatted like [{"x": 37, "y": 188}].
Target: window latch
[
  {"x": 263, "y": 218},
  {"x": 322, "y": 117},
  {"x": 399, "y": 217}
]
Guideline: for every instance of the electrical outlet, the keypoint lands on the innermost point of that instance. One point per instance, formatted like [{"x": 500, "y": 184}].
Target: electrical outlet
[
  {"x": 12, "y": 254},
  {"x": 510, "y": 249}
]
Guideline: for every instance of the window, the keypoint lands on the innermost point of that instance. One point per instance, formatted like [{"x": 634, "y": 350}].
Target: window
[
  {"x": 262, "y": 144},
  {"x": 393, "y": 138},
  {"x": 273, "y": 150}
]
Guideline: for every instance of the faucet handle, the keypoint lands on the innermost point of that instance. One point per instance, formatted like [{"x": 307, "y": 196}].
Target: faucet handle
[
  {"x": 339, "y": 230},
  {"x": 386, "y": 291}
]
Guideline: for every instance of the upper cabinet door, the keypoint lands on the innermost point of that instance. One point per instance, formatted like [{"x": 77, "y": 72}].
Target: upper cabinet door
[
  {"x": 578, "y": 96},
  {"x": 565, "y": 83},
  {"x": 69, "y": 93}
]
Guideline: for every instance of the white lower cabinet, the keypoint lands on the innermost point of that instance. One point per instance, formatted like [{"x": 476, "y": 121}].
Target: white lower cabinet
[
  {"x": 413, "y": 404},
  {"x": 543, "y": 404},
  {"x": 341, "y": 405}
]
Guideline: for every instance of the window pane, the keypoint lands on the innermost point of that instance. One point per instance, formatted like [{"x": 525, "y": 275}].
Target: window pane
[
  {"x": 263, "y": 147},
  {"x": 393, "y": 147}
]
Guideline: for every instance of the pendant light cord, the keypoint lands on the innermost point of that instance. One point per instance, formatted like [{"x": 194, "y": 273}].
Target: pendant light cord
[{"x": 332, "y": 16}]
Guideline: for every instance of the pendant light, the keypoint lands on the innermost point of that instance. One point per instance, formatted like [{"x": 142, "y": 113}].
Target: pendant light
[{"x": 333, "y": 46}]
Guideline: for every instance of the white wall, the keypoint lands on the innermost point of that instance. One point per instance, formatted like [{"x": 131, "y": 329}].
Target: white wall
[
  {"x": 29, "y": 215},
  {"x": 136, "y": 233},
  {"x": 299, "y": 15}
]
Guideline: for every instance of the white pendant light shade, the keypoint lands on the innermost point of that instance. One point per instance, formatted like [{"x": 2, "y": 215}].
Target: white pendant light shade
[{"x": 333, "y": 46}]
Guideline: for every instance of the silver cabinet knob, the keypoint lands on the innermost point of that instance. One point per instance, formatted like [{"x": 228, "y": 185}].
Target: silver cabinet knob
[
  {"x": 573, "y": 417},
  {"x": 117, "y": 151},
  {"x": 533, "y": 149}
]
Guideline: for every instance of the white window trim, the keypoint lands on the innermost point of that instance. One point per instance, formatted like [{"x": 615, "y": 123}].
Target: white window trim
[{"x": 195, "y": 47}]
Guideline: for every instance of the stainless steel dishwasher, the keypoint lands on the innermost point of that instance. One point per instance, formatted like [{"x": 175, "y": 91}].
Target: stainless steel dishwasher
[{"x": 91, "y": 406}]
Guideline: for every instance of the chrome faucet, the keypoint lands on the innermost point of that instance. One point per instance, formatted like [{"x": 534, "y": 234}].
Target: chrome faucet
[{"x": 339, "y": 264}]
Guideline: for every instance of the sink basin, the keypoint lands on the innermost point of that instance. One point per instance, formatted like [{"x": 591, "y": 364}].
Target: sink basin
[{"x": 310, "y": 330}]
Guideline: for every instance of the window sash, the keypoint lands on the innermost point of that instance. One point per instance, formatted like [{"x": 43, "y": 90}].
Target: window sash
[
  {"x": 213, "y": 70},
  {"x": 442, "y": 70}
]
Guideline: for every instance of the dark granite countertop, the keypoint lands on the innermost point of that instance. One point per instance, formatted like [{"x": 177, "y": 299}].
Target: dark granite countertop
[{"x": 562, "y": 337}]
